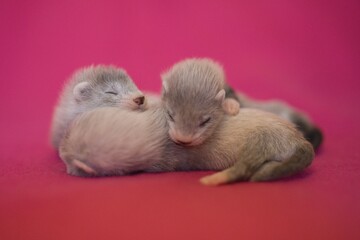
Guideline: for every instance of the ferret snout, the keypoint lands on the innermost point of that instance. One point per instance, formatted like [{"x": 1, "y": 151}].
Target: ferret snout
[
  {"x": 182, "y": 139},
  {"x": 139, "y": 100}
]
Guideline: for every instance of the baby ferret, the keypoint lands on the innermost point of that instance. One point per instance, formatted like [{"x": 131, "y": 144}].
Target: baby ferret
[
  {"x": 253, "y": 145},
  {"x": 192, "y": 78},
  {"x": 92, "y": 87},
  {"x": 194, "y": 97},
  {"x": 193, "y": 104},
  {"x": 303, "y": 123}
]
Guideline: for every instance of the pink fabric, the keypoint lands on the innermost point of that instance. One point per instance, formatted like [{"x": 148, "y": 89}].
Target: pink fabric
[{"x": 305, "y": 52}]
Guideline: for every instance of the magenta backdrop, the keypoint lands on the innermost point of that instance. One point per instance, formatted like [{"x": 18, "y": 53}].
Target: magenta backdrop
[{"x": 305, "y": 52}]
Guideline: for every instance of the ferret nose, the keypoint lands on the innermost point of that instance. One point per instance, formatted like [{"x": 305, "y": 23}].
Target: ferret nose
[
  {"x": 183, "y": 140},
  {"x": 139, "y": 100},
  {"x": 180, "y": 138}
]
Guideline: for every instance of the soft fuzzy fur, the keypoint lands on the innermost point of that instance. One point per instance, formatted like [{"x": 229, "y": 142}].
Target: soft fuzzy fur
[
  {"x": 253, "y": 145},
  {"x": 89, "y": 88},
  {"x": 193, "y": 95},
  {"x": 302, "y": 122}
]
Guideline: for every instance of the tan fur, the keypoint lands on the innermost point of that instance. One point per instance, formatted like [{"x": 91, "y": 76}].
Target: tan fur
[
  {"x": 190, "y": 91},
  {"x": 303, "y": 123},
  {"x": 253, "y": 145},
  {"x": 89, "y": 88},
  {"x": 193, "y": 92},
  {"x": 271, "y": 148}
]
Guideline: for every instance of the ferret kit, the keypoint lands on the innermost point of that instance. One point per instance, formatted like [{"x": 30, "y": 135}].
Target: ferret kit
[{"x": 103, "y": 126}]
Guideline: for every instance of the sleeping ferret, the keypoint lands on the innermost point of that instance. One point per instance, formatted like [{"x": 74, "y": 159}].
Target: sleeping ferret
[{"x": 93, "y": 87}]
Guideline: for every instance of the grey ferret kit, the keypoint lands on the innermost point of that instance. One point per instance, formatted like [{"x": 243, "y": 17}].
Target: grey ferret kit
[
  {"x": 194, "y": 98},
  {"x": 93, "y": 87},
  {"x": 211, "y": 76},
  {"x": 252, "y": 145}
]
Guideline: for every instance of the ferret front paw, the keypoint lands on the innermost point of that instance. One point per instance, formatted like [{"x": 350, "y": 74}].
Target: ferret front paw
[{"x": 231, "y": 106}]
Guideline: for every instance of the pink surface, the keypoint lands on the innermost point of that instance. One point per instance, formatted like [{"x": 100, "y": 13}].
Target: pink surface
[{"x": 305, "y": 52}]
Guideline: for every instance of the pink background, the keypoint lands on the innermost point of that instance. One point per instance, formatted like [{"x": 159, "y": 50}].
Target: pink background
[{"x": 305, "y": 52}]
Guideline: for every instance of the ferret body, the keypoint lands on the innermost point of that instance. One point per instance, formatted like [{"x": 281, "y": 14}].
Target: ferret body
[
  {"x": 267, "y": 148},
  {"x": 194, "y": 98},
  {"x": 92, "y": 87},
  {"x": 110, "y": 141},
  {"x": 302, "y": 122},
  {"x": 252, "y": 145}
]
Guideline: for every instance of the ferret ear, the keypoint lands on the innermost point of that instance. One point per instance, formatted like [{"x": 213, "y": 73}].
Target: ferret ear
[
  {"x": 165, "y": 86},
  {"x": 81, "y": 91},
  {"x": 164, "y": 90},
  {"x": 220, "y": 96}
]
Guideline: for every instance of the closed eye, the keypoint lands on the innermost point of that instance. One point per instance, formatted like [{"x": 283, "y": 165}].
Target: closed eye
[
  {"x": 113, "y": 93},
  {"x": 170, "y": 117},
  {"x": 205, "y": 122}
]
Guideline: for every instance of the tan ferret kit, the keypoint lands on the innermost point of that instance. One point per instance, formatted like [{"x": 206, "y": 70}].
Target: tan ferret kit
[{"x": 193, "y": 127}]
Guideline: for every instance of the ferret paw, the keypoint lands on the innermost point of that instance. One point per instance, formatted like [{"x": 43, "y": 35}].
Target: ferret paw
[
  {"x": 231, "y": 106},
  {"x": 80, "y": 169},
  {"x": 214, "y": 179}
]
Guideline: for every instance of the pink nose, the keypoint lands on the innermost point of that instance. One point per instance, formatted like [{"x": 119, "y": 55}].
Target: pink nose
[
  {"x": 178, "y": 137},
  {"x": 139, "y": 100},
  {"x": 181, "y": 139}
]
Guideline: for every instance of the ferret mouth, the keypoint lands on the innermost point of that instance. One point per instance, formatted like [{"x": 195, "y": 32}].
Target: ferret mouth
[
  {"x": 183, "y": 144},
  {"x": 194, "y": 143},
  {"x": 129, "y": 104}
]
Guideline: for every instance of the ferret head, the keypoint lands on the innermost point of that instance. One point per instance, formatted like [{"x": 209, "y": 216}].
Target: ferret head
[
  {"x": 102, "y": 86},
  {"x": 193, "y": 95}
]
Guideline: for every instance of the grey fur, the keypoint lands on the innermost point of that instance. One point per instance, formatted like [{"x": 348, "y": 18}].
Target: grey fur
[
  {"x": 192, "y": 93},
  {"x": 97, "y": 81}
]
